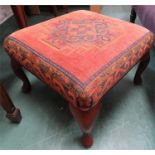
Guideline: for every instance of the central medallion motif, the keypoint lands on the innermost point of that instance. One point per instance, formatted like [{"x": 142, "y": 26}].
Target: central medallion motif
[{"x": 82, "y": 31}]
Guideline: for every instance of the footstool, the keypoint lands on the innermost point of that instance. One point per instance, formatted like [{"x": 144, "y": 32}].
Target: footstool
[{"x": 81, "y": 55}]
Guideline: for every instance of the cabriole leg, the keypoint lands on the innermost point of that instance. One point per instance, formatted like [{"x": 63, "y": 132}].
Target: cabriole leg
[
  {"x": 21, "y": 75},
  {"x": 86, "y": 119},
  {"x": 142, "y": 66}
]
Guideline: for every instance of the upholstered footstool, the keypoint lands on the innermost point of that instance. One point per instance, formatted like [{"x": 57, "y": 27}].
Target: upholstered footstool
[{"x": 81, "y": 55}]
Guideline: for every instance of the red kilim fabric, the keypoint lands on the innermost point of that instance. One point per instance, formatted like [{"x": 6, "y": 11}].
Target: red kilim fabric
[{"x": 81, "y": 54}]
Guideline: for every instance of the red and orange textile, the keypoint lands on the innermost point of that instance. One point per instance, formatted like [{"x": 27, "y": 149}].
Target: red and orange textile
[{"x": 81, "y": 54}]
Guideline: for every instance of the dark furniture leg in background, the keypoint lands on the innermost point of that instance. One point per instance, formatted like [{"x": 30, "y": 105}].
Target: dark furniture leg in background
[
  {"x": 13, "y": 114},
  {"x": 54, "y": 10},
  {"x": 132, "y": 15},
  {"x": 66, "y": 8},
  {"x": 19, "y": 13}
]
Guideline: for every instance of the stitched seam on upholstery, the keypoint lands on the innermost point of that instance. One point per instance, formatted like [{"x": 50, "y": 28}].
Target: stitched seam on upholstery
[{"x": 70, "y": 75}]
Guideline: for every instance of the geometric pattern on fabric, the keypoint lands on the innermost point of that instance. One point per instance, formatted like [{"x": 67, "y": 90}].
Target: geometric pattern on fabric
[{"x": 80, "y": 54}]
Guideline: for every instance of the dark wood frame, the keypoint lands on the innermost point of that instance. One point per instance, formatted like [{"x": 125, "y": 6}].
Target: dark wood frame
[
  {"x": 12, "y": 113},
  {"x": 133, "y": 15},
  {"x": 21, "y": 18},
  {"x": 142, "y": 66}
]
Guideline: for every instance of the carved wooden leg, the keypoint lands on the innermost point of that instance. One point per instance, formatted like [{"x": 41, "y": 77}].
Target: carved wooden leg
[
  {"x": 66, "y": 8},
  {"x": 86, "y": 120},
  {"x": 54, "y": 10},
  {"x": 20, "y": 15},
  {"x": 13, "y": 114},
  {"x": 20, "y": 74},
  {"x": 143, "y": 64},
  {"x": 132, "y": 15}
]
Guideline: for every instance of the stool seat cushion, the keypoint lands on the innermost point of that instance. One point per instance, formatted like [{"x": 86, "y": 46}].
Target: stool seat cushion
[{"x": 81, "y": 54}]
